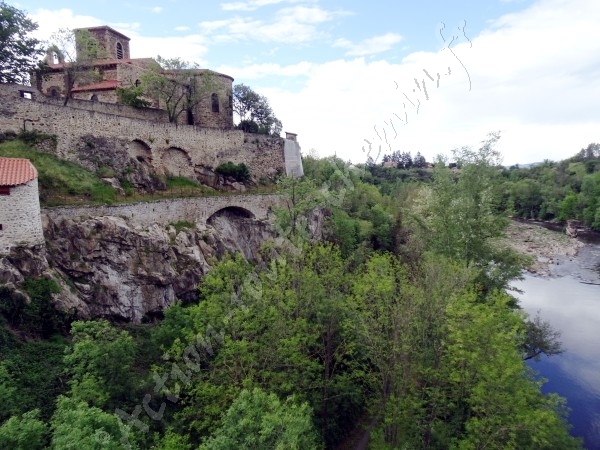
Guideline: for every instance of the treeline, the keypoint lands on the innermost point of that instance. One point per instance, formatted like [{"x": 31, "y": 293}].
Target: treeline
[
  {"x": 568, "y": 189},
  {"x": 396, "y": 324}
]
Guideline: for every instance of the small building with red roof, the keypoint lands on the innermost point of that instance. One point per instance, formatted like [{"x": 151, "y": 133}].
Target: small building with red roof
[{"x": 20, "y": 218}]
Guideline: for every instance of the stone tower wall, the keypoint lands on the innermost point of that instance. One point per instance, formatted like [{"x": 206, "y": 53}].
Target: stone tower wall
[{"x": 20, "y": 217}]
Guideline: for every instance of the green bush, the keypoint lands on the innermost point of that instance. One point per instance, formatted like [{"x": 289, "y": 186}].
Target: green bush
[
  {"x": 239, "y": 172},
  {"x": 249, "y": 126}
]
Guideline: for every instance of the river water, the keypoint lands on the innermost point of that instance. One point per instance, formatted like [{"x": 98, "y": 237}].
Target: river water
[{"x": 573, "y": 307}]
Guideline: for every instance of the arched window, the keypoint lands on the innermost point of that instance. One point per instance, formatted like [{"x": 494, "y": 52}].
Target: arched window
[
  {"x": 215, "y": 103},
  {"x": 94, "y": 98},
  {"x": 137, "y": 82},
  {"x": 55, "y": 58},
  {"x": 119, "y": 51},
  {"x": 53, "y": 92}
]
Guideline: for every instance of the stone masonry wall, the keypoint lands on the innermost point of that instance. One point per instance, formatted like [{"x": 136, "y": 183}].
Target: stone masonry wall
[
  {"x": 163, "y": 212},
  {"x": 20, "y": 217},
  {"x": 206, "y": 147}
]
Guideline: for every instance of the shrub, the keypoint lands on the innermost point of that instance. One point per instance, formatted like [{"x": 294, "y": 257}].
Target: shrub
[
  {"x": 249, "y": 126},
  {"x": 239, "y": 172}
]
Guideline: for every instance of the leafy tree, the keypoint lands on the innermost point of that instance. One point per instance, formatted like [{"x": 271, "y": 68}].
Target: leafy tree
[
  {"x": 77, "y": 50},
  {"x": 540, "y": 338},
  {"x": 464, "y": 216},
  {"x": 100, "y": 363},
  {"x": 18, "y": 51},
  {"x": 419, "y": 161},
  {"x": 178, "y": 85},
  {"x": 251, "y": 108},
  {"x": 8, "y": 393},
  {"x": 503, "y": 408},
  {"x": 132, "y": 96},
  {"x": 257, "y": 419},
  {"x": 25, "y": 432},
  {"x": 76, "y": 424},
  {"x": 406, "y": 161}
]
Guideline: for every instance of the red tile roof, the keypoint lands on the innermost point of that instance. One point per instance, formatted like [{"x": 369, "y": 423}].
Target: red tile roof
[
  {"x": 15, "y": 171},
  {"x": 102, "y": 85}
]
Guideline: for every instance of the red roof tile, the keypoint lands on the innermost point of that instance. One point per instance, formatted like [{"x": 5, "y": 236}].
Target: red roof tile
[
  {"x": 15, "y": 171},
  {"x": 106, "y": 84}
]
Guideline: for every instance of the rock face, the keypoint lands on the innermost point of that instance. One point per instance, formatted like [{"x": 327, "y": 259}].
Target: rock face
[
  {"x": 108, "y": 268},
  {"x": 127, "y": 273}
]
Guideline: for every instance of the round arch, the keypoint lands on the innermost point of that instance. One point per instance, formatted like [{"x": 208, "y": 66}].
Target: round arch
[
  {"x": 232, "y": 212},
  {"x": 177, "y": 162},
  {"x": 139, "y": 150}
]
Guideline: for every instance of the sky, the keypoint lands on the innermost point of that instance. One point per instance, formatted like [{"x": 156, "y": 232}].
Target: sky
[{"x": 356, "y": 78}]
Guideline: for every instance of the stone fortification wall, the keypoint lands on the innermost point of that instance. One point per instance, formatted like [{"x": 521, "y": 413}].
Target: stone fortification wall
[
  {"x": 164, "y": 212},
  {"x": 20, "y": 217},
  {"x": 167, "y": 144}
]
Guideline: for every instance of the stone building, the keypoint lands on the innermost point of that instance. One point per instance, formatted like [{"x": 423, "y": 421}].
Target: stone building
[
  {"x": 213, "y": 110},
  {"x": 20, "y": 219}
]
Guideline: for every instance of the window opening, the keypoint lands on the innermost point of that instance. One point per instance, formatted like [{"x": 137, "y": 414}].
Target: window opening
[
  {"x": 215, "y": 103},
  {"x": 119, "y": 51}
]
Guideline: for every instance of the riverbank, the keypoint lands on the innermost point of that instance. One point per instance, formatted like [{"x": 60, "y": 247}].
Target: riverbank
[{"x": 546, "y": 248}]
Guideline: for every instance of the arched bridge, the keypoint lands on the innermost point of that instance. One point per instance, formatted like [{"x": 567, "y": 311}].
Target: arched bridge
[{"x": 164, "y": 212}]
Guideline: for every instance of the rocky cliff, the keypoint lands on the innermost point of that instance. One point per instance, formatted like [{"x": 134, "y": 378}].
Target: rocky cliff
[{"x": 107, "y": 267}]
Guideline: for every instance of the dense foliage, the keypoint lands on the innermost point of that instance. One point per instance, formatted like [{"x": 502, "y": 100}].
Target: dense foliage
[
  {"x": 569, "y": 189},
  {"x": 239, "y": 172},
  {"x": 396, "y": 325},
  {"x": 254, "y": 112},
  {"x": 18, "y": 50}
]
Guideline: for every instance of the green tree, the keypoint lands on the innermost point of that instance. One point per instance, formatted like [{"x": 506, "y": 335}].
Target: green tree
[
  {"x": 75, "y": 424},
  {"x": 251, "y": 107},
  {"x": 502, "y": 406},
  {"x": 257, "y": 419},
  {"x": 25, "y": 432},
  {"x": 8, "y": 393},
  {"x": 133, "y": 96},
  {"x": 100, "y": 363},
  {"x": 77, "y": 51},
  {"x": 464, "y": 217},
  {"x": 18, "y": 50}
]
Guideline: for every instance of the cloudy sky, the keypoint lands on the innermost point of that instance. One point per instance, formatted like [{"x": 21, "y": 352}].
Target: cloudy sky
[{"x": 351, "y": 75}]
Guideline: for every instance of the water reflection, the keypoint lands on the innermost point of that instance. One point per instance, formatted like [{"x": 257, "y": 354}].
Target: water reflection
[{"x": 574, "y": 308}]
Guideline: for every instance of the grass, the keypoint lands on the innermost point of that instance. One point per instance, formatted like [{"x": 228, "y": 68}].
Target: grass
[
  {"x": 181, "y": 182},
  {"x": 182, "y": 224},
  {"x": 59, "y": 178}
]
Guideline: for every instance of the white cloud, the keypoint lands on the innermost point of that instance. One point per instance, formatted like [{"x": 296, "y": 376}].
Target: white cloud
[
  {"x": 370, "y": 46},
  {"x": 257, "y": 71},
  {"x": 182, "y": 28},
  {"x": 156, "y": 9},
  {"x": 253, "y": 5},
  {"x": 534, "y": 75},
  {"x": 191, "y": 47},
  {"x": 291, "y": 25}
]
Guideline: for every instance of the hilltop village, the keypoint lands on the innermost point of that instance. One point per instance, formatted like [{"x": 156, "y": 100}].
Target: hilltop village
[{"x": 95, "y": 130}]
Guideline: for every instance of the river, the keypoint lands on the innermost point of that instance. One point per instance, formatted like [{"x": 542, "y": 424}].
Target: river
[{"x": 573, "y": 307}]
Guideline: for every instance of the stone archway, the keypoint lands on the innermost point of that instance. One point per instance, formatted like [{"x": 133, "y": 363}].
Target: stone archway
[
  {"x": 231, "y": 212},
  {"x": 177, "y": 162},
  {"x": 140, "y": 151}
]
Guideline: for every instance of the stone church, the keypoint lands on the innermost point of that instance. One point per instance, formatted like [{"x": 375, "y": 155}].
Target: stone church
[{"x": 118, "y": 69}]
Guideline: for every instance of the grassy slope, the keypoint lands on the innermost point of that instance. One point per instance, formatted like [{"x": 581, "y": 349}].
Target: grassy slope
[{"x": 60, "y": 179}]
